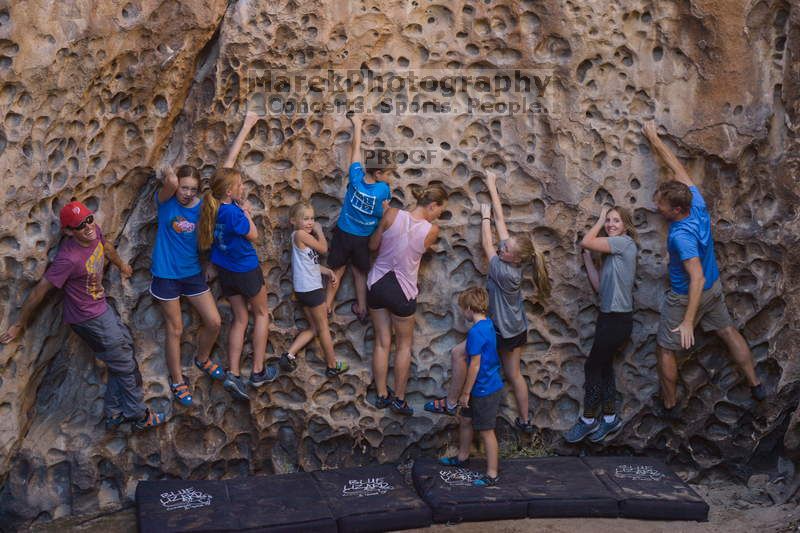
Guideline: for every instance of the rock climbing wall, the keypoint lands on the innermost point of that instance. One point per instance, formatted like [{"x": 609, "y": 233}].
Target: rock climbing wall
[{"x": 94, "y": 95}]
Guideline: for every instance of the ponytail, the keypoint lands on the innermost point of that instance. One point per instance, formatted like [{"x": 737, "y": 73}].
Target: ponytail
[
  {"x": 433, "y": 193},
  {"x": 529, "y": 253},
  {"x": 224, "y": 179},
  {"x": 208, "y": 219}
]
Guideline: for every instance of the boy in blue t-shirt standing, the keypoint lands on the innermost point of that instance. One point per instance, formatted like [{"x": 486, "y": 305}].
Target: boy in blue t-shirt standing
[
  {"x": 695, "y": 294},
  {"x": 362, "y": 209},
  {"x": 480, "y": 398}
]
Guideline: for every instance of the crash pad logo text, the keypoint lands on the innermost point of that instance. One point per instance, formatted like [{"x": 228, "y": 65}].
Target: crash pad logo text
[
  {"x": 639, "y": 473},
  {"x": 460, "y": 477},
  {"x": 366, "y": 487},
  {"x": 185, "y": 499}
]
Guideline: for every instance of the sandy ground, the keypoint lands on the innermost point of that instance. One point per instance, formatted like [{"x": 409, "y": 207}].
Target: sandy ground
[{"x": 734, "y": 509}]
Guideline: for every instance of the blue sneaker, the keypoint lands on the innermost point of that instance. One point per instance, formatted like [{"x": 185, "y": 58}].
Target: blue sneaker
[
  {"x": 181, "y": 393},
  {"x": 580, "y": 431},
  {"x": 453, "y": 461},
  {"x": 382, "y": 402},
  {"x": 270, "y": 373},
  {"x": 235, "y": 386},
  {"x": 401, "y": 407},
  {"x": 485, "y": 481},
  {"x": 605, "y": 429},
  {"x": 439, "y": 406}
]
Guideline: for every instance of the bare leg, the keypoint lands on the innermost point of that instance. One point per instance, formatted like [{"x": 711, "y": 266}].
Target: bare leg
[
  {"x": 740, "y": 353},
  {"x": 458, "y": 362},
  {"x": 514, "y": 376},
  {"x": 305, "y": 336},
  {"x": 380, "y": 353},
  {"x": 236, "y": 333},
  {"x": 404, "y": 336},
  {"x": 490, "y": 443},
  {"x": 360, "y": 283},
  {"x": 668, "y": 374},
  {"x": 173, "y": 324},
  {"x": 206, "y": 307},
  {"x": 465, "y": 435},
  {"x": 330, "y": 295},
  {"x": 258, "y": 304},
  {"x": 319, "y": 318}
]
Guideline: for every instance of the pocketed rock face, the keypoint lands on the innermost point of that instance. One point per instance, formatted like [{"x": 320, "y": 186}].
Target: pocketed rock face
[{"x": 96, "y": 95}]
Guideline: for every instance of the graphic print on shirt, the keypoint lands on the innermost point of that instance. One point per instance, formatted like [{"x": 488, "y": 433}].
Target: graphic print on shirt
[
  {"x": 313, "y": 255},
  {"x": 94, "y": 272},
  {"x": 363, "y": 202},
  {"x": 219, "y": 232},
  {"x": 181, "y": 225}
]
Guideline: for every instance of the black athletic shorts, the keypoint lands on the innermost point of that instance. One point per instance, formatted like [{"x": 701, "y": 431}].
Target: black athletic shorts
[
  {"x": 505, "y": 345},
  {"x": 311, "y": 298},
  {"x": 246, "y": 284},
  {"x": 386, "y": 293},
  {"x": 483, "y": 411},
  {"x": 347, "y": 248}
]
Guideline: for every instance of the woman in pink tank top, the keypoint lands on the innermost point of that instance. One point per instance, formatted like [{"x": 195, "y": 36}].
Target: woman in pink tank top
[{"x": 401, "y": 239}]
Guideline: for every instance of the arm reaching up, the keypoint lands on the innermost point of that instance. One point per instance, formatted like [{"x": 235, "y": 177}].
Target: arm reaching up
[
  {"x": 486, "y": 232},
  {"x": 670, "y": 159},
  {"x": 355, "y": 148},
  {"x": 250, "y": 120},
  {"x": 500, "y": 221},
  {"x": 591, "y": 241}
]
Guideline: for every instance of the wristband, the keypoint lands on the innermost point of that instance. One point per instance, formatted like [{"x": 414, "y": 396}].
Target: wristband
[{"x": 485, "y": 218}]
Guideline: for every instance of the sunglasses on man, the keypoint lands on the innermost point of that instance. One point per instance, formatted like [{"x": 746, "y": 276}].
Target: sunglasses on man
[{"x": 87, "y": 220}]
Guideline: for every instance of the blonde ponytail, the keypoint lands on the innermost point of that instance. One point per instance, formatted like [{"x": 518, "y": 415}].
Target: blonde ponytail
[
  {"x": 224, "y": 179},
  {"x": 529, "y": 253}
]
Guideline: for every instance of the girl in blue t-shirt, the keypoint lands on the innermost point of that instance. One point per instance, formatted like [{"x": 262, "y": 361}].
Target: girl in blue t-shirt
[
  {"x": 227, "y": 228},
  {"x": 177, "y": 272}
]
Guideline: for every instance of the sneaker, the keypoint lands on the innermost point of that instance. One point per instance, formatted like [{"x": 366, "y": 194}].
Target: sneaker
[
  {"x": 287, "y": 364},
  {"x": 181, "y": 393},
  {"x": 151, "y": 419},
  {"x": 453, "y": 461},
  {"x": 113, "y": 422},
  {"x": 382, "y": 402},
  {"x": 759, "y": 393},
  {"x": 211, "y": 368},
  {"x": 486, "y": 481},
  {"x": 525, "y": 427},
  {"x": 580, "y": 431},
  {"x": 401, "y": 407},
  {"x": 340, "y": 368},
  {"x": 257, "y": 379},
  {"x": 235, "y": 386},
  {"x": 439, "y": 406},
  {"x": 605, "y": 429}
]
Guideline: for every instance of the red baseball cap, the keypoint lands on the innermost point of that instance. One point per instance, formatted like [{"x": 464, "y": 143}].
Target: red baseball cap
[{"x": 73, "y": 214}]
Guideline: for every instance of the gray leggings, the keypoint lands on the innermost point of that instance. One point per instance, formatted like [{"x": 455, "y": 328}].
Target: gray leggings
[{"x": 111, "y": 342}]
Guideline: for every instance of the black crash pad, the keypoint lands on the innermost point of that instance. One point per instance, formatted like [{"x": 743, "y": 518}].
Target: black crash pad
[
  {"x": 449, "y": 492},
  {"x": 371, "y": 498},
  {"x": 559, "y": 487},
  {"x": 647, "y": 488},
  {"x": 282, "y": 503}
]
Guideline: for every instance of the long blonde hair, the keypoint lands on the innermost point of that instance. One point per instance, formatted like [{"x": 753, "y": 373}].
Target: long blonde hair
[
  {"x": 627, "y": 221},
  {"x": 528, "y": 253},
  {"x": 224, "y": 179}
]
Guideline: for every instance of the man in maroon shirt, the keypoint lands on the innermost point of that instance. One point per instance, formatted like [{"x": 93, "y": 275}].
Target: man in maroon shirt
[{"x": 78, "y": 270}]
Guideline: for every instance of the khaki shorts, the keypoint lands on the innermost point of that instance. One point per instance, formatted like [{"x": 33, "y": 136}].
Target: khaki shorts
[{"x": 712, "y": 314}]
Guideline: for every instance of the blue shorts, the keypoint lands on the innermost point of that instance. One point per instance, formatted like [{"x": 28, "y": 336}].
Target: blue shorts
[{"x": 172, "y": 289}]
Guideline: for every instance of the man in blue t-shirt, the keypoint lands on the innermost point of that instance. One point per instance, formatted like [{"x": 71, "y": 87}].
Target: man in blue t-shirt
[
  {"x": 483, "y": 388},
  {"x": 362, "y": 209},
  {"x": 695, "y": 294}
]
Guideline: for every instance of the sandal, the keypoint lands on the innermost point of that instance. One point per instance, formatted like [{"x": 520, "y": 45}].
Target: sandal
[
  {"x": 453, "y": 461},
  {"x": 340, "y": 368},
  {"x": 211, "y": 368},
  {"x": 361, "y": 316},
  {"x": 524, "y": 426},
  {"x": 439, "y": 406},
  {"x": 485, "y": 481},
  {"x": 180, "y": 391},
  {"x": 151, "y": 419},
  {"x": 287, "y": 364}
]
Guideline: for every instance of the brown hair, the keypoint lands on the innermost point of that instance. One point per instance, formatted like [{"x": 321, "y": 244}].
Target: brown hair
[
  {"x": 528, "y": 253},
  {"x": 298, "y": 208},
  {"x": 386, "y": 170},
  {"x": 676, "y": 194},
  {"x": 476, "y": 299},
  {"x": 627, "y": 221},
  {"x": 223, "y": 180},
  {"x": 188, "y": 171},
  {"x": 431, "y": 194}
]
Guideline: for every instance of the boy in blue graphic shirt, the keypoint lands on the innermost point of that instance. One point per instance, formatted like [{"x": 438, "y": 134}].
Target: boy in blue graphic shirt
[
  {"x": 362, "y": 209},
  {"x": 480, "y": 398}
]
